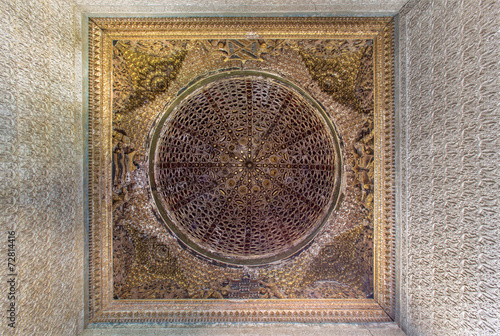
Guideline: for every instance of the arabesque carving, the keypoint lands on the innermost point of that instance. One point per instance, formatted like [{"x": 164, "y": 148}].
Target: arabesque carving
[{"x": 135, "y": 76}]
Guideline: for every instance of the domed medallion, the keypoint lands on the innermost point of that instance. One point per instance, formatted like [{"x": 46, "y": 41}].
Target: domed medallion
[{"x": 245, "y": 167}]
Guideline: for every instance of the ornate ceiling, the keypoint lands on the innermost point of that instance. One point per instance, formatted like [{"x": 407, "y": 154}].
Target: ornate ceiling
[{"x": 243, "y": 164}]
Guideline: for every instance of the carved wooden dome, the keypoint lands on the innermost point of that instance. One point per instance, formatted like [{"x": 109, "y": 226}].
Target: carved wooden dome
[{"x": 245, "y": 168}]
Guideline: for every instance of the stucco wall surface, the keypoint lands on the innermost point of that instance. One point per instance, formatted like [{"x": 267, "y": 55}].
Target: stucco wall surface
[
  {"x": 241, "y": 7},
  {"x": 257, "y": 329},
  {"x": 448, "y": 159},
  {"x": 40, "y": 168},
  {"x": 449, "y": 167}
]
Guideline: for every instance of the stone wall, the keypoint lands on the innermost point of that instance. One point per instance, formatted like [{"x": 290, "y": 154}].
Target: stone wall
[
  {"x": 449, "y": 167},
  {"x": 41, "y": 167}
]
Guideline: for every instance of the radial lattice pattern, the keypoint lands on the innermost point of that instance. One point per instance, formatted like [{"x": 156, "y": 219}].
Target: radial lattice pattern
[{"x": 246, "y": 169}]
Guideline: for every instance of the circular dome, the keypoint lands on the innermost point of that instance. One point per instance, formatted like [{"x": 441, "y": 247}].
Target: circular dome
[{"x": 245, "y": 168}]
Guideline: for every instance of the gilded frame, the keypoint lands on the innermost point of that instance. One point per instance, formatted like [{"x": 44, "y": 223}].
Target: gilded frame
[{"x": 103, "y": 308}]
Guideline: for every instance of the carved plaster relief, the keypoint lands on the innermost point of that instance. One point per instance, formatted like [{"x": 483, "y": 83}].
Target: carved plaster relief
[{"x": 229, "y": 166}]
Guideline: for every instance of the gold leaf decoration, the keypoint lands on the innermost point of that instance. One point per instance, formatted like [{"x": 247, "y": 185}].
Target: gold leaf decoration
[
  {"x": 347, "y": 260},
  {"x": 343, "y": 69},
  {"x": 149, "y": 74}
]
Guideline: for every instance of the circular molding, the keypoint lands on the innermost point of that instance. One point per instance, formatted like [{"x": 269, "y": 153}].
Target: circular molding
[{"x": 245, "y": 167}]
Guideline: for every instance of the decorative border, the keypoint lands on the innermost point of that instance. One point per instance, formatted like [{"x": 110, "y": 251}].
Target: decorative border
[
  {"x": 102, "y": 307},
  {"x": 385, "y": 173}
]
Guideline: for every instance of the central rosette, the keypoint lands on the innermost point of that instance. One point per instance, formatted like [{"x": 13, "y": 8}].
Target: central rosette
[
  {"x": 243, "y": 157},
  {"x": 245, "y": 169}
]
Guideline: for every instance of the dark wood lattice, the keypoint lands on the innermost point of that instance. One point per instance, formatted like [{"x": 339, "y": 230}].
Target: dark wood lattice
[{"x": 245, "y": 169}]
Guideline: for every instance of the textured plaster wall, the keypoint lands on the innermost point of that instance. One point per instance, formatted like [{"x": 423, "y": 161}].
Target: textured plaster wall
[
  {"x": 41, "y": 167},
  {"x": 449, "y": 167},
  {"x": 258, "y": 329},
  {"x": 448, "y": 159},
  {"x": 239, "y": 7}
]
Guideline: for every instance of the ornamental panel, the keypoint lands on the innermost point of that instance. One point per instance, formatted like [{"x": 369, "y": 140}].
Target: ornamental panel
[{"x": 241, "y": 169}]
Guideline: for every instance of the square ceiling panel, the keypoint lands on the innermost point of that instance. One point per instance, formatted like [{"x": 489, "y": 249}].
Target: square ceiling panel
[{"x": 241, "y": 169}]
